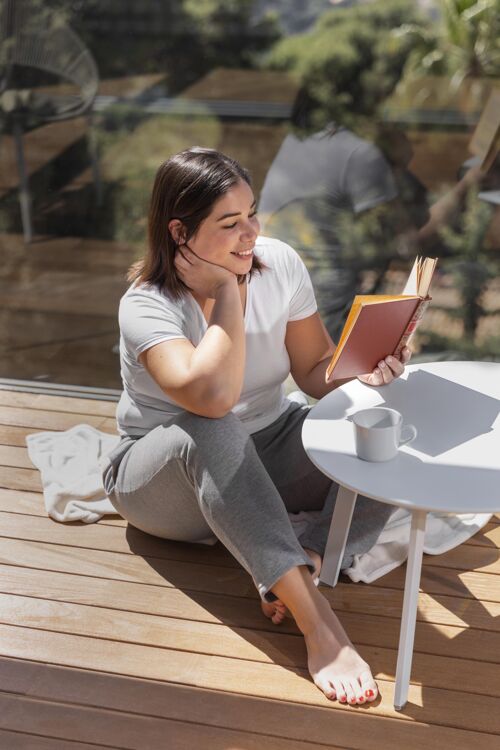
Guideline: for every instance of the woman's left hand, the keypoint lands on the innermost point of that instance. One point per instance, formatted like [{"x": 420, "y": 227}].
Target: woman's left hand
[{"x": 387, "y": 369}]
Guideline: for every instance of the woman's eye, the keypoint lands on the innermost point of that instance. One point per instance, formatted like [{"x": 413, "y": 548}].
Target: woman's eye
[{"x": 232, "y": 226}]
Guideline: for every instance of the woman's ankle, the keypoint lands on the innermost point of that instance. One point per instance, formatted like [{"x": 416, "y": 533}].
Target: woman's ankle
[
  {"x": 308, "y": 606},
  {"x": 318, "y": 620}
]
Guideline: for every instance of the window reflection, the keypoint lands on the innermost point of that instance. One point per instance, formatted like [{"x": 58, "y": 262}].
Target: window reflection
[
  {"x": 355, "y": 119},
  {"x": 313, "y": 188}
]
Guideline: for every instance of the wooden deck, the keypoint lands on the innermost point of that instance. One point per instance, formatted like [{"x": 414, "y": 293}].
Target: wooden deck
[{"x": 113, "y": 638}]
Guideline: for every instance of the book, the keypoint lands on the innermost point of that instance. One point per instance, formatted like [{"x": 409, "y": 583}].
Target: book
[
  {"x": 485, "y": 141},
  {"x": 381, "y": 324}
]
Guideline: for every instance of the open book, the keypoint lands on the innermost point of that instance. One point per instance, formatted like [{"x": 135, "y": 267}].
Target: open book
[{"x": 381, "y": 324}]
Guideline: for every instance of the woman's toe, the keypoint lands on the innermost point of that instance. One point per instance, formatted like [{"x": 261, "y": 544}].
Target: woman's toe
[
  {"x": 278, "y": 616},
  {"x": 268, "y": 608},
  {"x": 326, "y": 687},
  {"x": 368, "y": 686},
  {"x": 339, "y": 691},
  {"x": 349, "y": 692},
  {"x": 358, "y": 691},
  {"x": 275, "y": 611}
]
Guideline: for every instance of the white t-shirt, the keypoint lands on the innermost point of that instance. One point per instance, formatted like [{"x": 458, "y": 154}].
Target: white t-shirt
[{"x": 280, "y": 293}]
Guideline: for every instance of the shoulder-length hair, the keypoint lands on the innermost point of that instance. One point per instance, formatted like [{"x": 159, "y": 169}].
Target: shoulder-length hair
[{"x": 186, "y": 187}]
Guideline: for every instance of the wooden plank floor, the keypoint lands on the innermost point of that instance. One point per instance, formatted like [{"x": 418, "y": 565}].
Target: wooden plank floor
[{"x": 113, "y": 638}]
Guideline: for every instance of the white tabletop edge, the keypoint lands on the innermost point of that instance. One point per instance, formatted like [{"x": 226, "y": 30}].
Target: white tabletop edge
[{"x": 442, "y": 504}]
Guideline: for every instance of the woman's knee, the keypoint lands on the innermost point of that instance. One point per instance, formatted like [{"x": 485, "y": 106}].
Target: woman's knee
[
  {"x": 178, "y": 445},
  {"x": 196, "y": 423},
  {"x": 223, "y": 434}
]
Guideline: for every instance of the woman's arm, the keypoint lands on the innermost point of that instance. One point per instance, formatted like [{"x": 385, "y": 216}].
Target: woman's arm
[
  {"x": 310, "y": 349},
  {"x": 206, "y": 379},
  {"x": 444, "y": 209}
]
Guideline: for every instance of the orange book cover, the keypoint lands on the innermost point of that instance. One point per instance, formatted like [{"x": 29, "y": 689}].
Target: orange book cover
[{"x": 379, "y": 325}]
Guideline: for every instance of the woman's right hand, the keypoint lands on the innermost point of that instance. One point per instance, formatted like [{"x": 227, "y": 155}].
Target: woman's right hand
[{"x": 201, "y": 276}]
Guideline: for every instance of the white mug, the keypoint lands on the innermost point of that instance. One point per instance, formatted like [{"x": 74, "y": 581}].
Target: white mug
[{"x": 379, "y": 433}]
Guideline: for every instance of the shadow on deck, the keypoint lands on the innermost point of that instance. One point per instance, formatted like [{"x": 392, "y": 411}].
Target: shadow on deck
[{"x": 113, "y": 638}]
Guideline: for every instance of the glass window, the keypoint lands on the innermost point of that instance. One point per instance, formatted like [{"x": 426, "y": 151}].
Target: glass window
[{"x": 371, "y": 130}]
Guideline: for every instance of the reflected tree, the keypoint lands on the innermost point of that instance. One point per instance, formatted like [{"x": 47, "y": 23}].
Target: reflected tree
[
  {"x": 472, "y": 265},
  {"x": 464, "y": 44},
  {"x": 349, "y": 61},
  {"x": 182, "y": 38}
]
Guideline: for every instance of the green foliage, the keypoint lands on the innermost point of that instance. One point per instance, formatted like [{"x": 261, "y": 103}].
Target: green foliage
[
  {"x": 227, "y": 35},
  {"x": 130, "y": 159},
  {"x": 183, "y": 38},
  {"x": 349, "y": 61},
  {"x": 371, "y": 239},
  {"x": 294, "y": 16},
  {"x": 471, "y": 265},
  {"x": 465, "y": 44}
]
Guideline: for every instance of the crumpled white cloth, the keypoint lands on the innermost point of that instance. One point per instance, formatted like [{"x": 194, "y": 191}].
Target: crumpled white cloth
[
  {"x": 71, "y": 465},
  {"x": 442, "y": 533}
]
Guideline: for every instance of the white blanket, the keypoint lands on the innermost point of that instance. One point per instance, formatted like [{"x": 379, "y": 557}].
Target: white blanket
[{"x": 71, "y": 465}]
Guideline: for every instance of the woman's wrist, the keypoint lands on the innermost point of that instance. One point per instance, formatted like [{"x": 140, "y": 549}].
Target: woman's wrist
[{"x": 222, "y": 286}]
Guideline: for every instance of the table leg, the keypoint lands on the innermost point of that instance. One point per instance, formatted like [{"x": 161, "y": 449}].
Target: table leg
[
  {"x": 410, "y": 602},
  {"x": 337, "y": 536}
]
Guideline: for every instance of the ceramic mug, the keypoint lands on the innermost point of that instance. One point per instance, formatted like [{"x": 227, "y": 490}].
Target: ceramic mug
[{"x": 379, "y": 433}]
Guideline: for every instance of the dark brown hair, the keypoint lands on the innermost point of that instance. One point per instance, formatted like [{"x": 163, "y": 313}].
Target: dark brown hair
[{"x": 186, "y": 187}]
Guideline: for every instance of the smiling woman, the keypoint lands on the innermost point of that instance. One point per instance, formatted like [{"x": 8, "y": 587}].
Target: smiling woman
[
  {"x": 193, "y": 186},
  {"x": 218, "y": 241},
  {"x": 214, "y": 321}
]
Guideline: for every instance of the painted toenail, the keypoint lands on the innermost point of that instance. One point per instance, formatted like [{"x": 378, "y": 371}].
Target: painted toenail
[
  {"x": 343, "y": 699},
  {"x": 361, "y": 699},
  {"x": 369, "y": 693}
]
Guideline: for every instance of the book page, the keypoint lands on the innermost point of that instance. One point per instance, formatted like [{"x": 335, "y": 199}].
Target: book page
[
  {"x": 411, "y": 285},
  {"x": 420, "y": 277},
  {"x": 376, "y": 299},
  {"x": 428, "y": 268}
]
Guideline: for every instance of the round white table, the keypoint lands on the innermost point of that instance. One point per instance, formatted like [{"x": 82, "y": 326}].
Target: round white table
[{"x": 452, "y": 466}]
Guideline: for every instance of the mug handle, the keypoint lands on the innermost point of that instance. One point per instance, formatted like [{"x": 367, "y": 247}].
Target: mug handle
[{"x": 413, "y": 434}]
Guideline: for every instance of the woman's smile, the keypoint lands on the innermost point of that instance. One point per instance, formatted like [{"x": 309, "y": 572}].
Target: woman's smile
[{"x": 243, "y": 253}]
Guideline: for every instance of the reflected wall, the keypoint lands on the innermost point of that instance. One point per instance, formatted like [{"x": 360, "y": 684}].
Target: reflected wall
[{"x": 357, "y": 135}]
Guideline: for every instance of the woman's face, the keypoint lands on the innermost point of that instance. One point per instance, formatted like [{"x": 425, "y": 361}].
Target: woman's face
[{"x": 227, "y": 236}]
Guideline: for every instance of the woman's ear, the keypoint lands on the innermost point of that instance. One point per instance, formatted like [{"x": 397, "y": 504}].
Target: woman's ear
[{"x": 177, "y": 230}]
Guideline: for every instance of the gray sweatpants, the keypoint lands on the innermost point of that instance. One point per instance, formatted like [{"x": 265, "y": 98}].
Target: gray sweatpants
[{"x": 197, "y": 477}]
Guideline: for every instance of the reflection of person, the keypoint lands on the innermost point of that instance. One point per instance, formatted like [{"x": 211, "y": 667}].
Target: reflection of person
[
  {"x": 311, "y": 185},
  {"x": 348, "y": 206},
  {"x": 425, "y": 219},
  {"x": 213, "y": 323}
]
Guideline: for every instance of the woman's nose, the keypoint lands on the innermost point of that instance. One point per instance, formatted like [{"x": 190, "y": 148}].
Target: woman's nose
[{"x": 250, "y": 231}]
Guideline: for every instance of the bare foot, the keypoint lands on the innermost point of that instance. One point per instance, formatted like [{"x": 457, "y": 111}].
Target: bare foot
[
  {"x": 276, "y": 611},
  {"x": 335, "y": 665}
]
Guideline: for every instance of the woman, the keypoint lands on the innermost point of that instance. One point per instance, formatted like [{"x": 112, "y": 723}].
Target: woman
[{"x": 214, "y": 321}]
